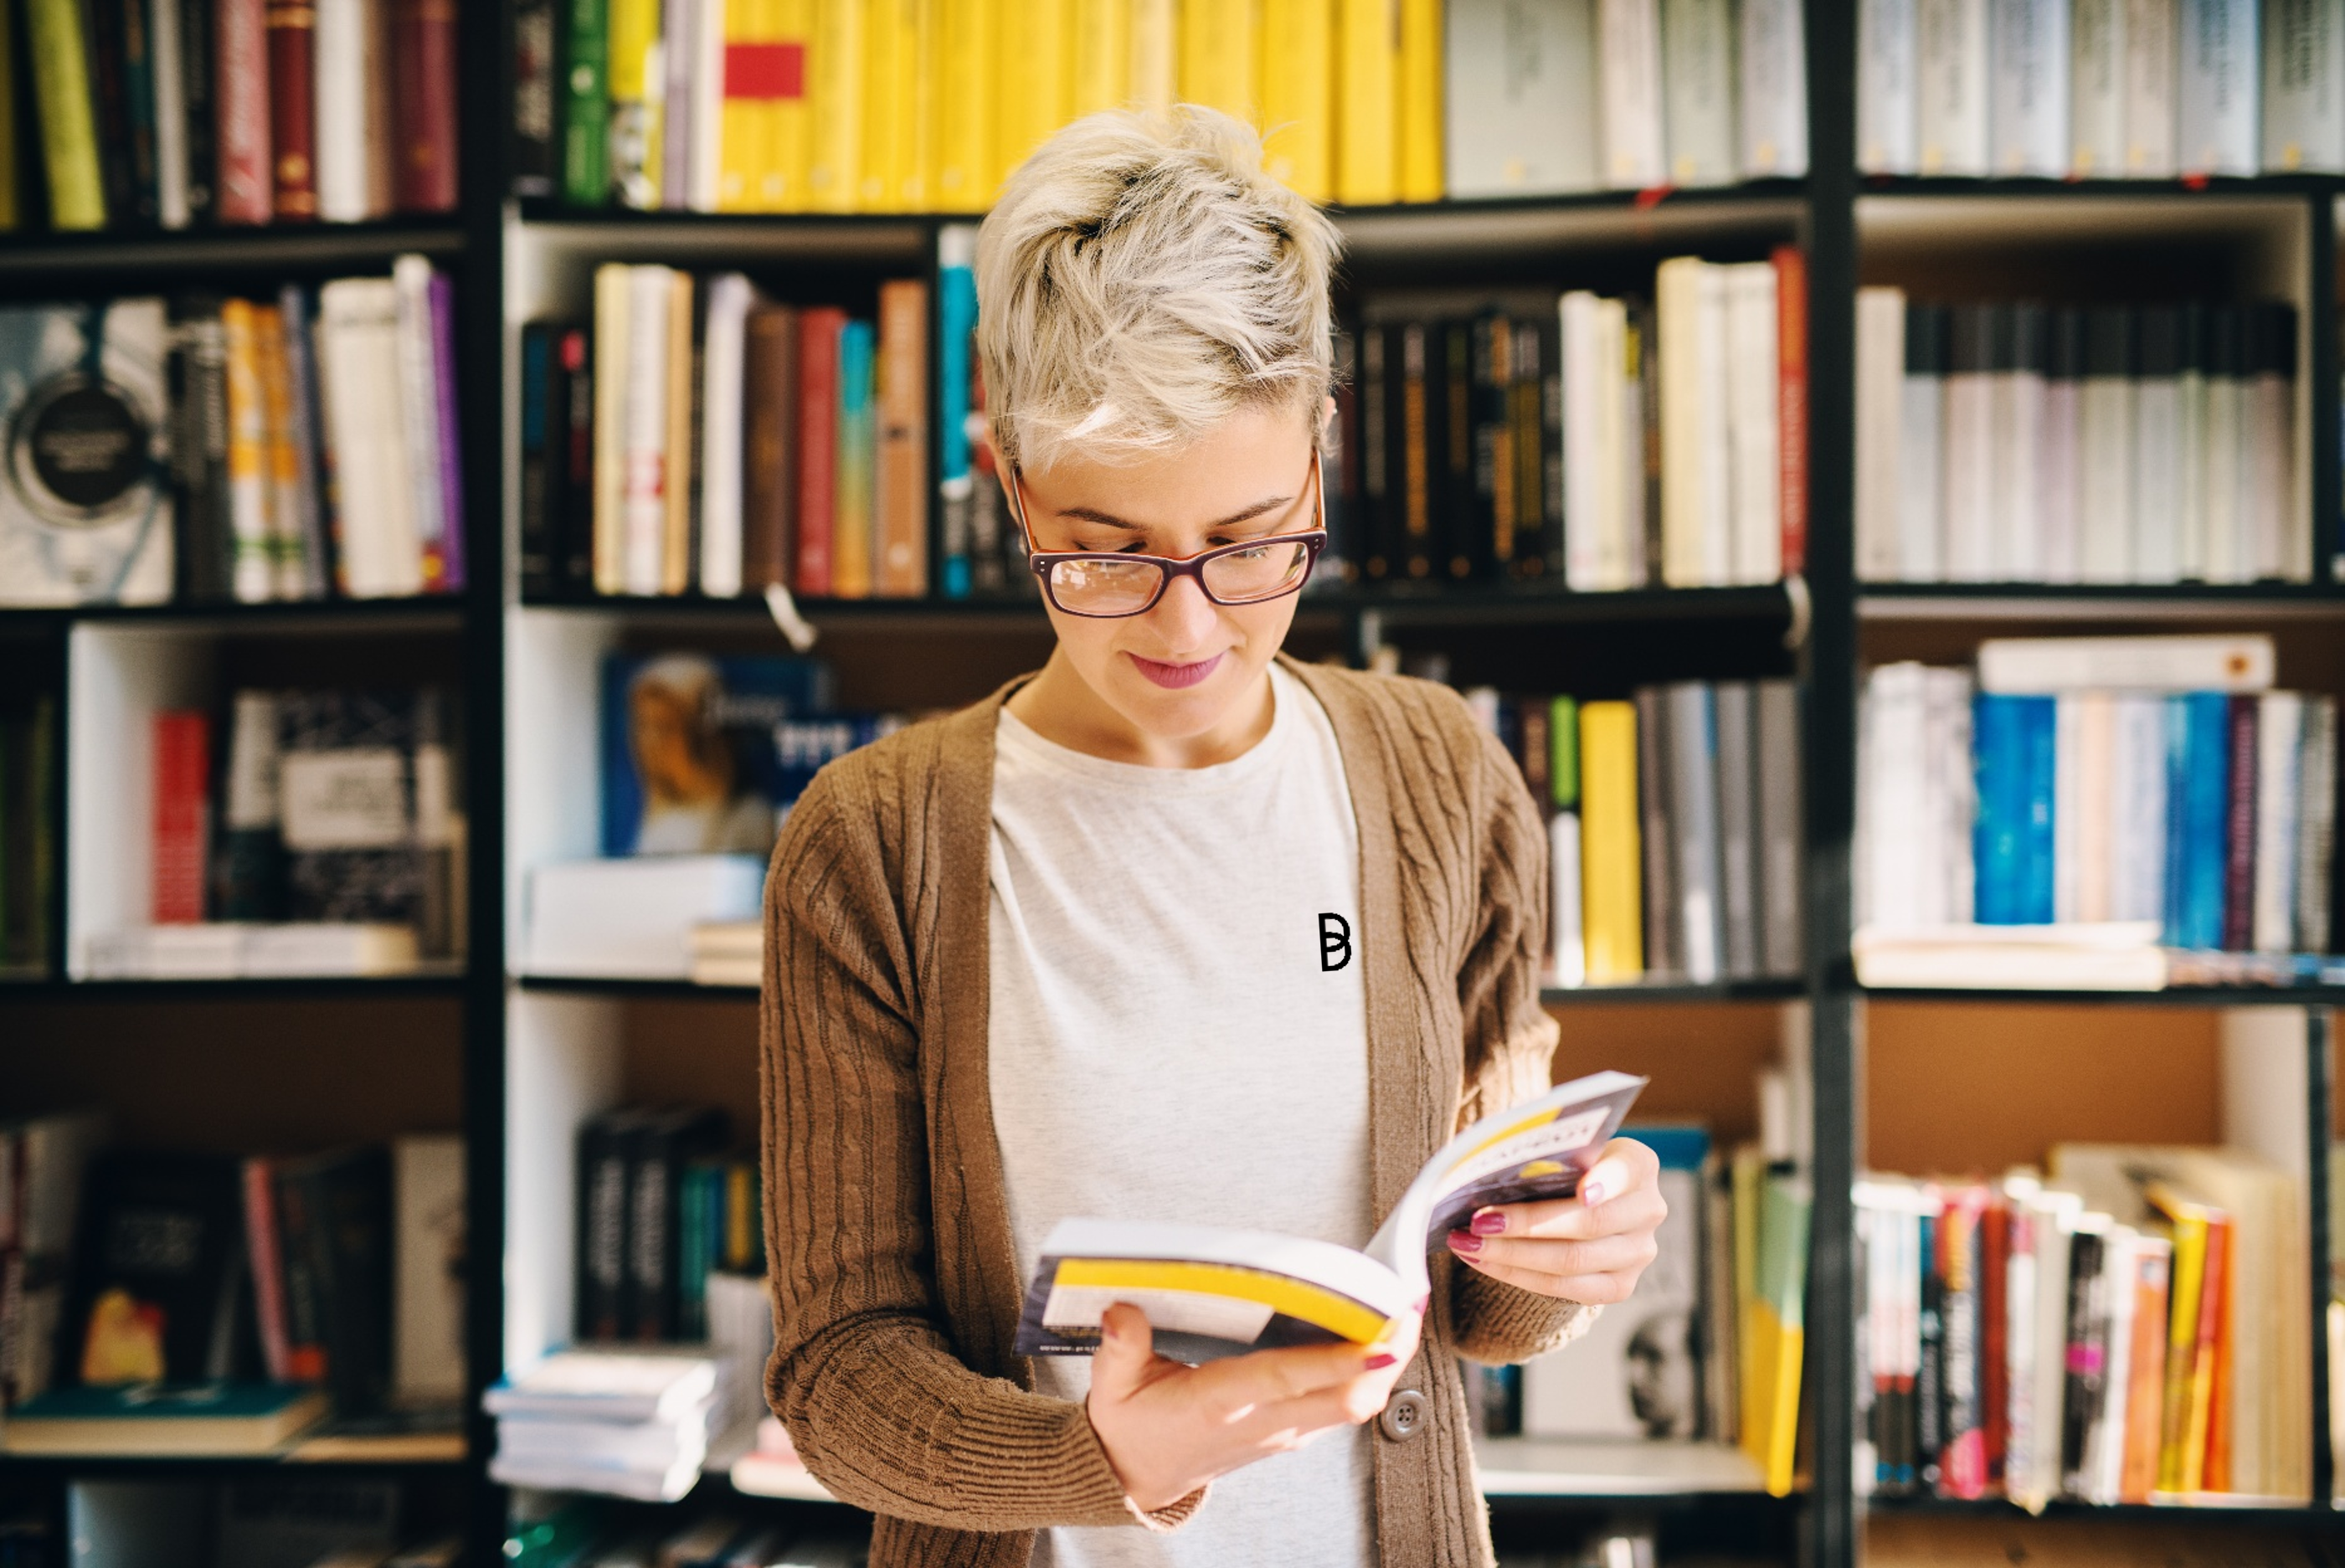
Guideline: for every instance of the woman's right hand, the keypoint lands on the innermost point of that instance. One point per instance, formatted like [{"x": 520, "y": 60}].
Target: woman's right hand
[{"x": 1168, "y": 1428}]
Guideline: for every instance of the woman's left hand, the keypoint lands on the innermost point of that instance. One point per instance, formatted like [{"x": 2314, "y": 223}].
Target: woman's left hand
[{"x": 1591, "y": 1247}]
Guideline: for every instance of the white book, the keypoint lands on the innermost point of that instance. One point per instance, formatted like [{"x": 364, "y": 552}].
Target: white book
[
  {"x": 1888, "y": 42},
  {"x": 357, "y": 344},
  {"x": 2028, "y": 110},
  {"x": 1570, "y": 955},
  {"x": 618, "y": 1386},
  {"x": 644, "y": 454},
  {"x": 1698, "y": 90},
  {"x": 1892, "y": 878},
  {"x": 1634, "y": 342},
  {"x": 2017, "y": 437},
  {"x": 1753, "y": 433},
  {"x": 2137, "y": 785},
  {"x": 2096, "y": 804},
  {"x": 1781, "y": 810},
  {"x": 2278, "y": 538},
  {"x": 633, "y": 918},
  {"x": 1880, "y": 404},
  {"x": 1697, "y": 529},
  {"x": 614, "y": 292},
  {"x": 1736, "y": 728},
  {"x": 427, "y": 1279},
  {"x": 1521, "y": 99},
  {"x": 722, "y": 341},
  {"x": 705, "y": 162},
  {"x": 1774, "y": 89},
  {"x": 1968, "y": 522},
  {"x": 2096, "y": 89},
  {"x": 169, "y": 55},
  {"x": 1921, "y": 448},
  {"x": 2304, "y": 86},
  {"x": 1951, "y": 800},
  {"x": 418, "y": 400},
  {"x": 1589, "y": 384},
  {"x": 2105, "y": 429},
  {"x": 1629, "y": 93},
  {"x": 2152, "y": 57},
  {"x": 2056, "y": 1218},
  {"x": 2104, "y": 1460},
  {"x": 2157, "y": 555},
  {"x": 2279, "y": 738},
  {"x": 2222, "y": 447},
  {"x": 2042, "y": 666},
  {"x": 342, "y": 84},
  {"x": 2315, "y": 833},
  {"x": 2057, "y": 453},
  {"x": 2190, "y": 449},
  {"x": 2219, "y": 87},
  {"x": 1952, "y": 93},
  {"x": 2069, "y": 781}
]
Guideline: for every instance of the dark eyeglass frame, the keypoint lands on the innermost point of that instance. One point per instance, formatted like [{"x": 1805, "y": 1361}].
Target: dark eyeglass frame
[{"x": 1043, "y": 563}]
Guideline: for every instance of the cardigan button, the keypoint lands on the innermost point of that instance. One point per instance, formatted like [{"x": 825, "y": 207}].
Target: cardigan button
[{"x": 1404, "y": 1415}]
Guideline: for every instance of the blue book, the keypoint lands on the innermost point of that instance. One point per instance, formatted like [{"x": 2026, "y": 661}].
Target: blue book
[
  {"x": 690, "y": 763},
  {"x": 2016, "y": 758},
  {"x": 956, "y": 325},
  {"x": 2197, "y": 802},
  {"x": 162, "y": 1419}
]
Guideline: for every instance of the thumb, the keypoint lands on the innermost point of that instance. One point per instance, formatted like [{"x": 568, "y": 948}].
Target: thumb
[{"x": 1127, "y": 1347}]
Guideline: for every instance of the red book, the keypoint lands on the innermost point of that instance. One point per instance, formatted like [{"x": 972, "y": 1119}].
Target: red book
[
  {"x": 423, "y": 103},
  {"x": 818, "y": 330},
  {"x": 240, "y": 96},
  {"x": 1994, "y": 1374},
  {"x": 183, "y": 774},
  {"x": 1791, "y": 401},
  {"x": 268, "y": 1269},
  {"x": 292, "y": 28},
  {"x": 2215, "y": 1330},
  {"x": 2239, "y": 829}
]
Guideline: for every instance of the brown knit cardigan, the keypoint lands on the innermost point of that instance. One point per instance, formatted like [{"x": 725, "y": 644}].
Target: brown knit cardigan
[{"x": 896, "y": 1285}]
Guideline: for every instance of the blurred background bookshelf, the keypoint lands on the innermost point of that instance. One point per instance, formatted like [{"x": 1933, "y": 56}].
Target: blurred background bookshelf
[{"x": 1473, "y": 192}]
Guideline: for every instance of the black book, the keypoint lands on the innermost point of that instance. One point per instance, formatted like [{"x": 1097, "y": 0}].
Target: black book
[
  {"x": 2084, "y": 1356},
  {"x": 2109, "y": 342},
  {"x": 664, "y": 1142},
  {"x": 1486, "y": 547},
  {"x": 1457, "y": 511},
  {"x": 605, "y": 1147},
  {"x": 138, "y": 109},
  {"x": 200, "y": 133},
  {"x": 358, "y": 846},
  {"x": 544, "y": 457},
  {"x": 1375, "y": 445},
  {"x": 159, "y": 1281},
  {"x": 1655, "y": 834},
  {"x": 1339, "y": 467},
  {"x": 197, "y": 375},
  {"x": 573, "y": 505},
  {"x": 2064, "y": 351},
  {"x": 537, "y": 88},
  {"x": 22, "y": 105},
  {"x": 1929, "y": 1375},
  {"x": 346, "y": 1237},
  {"x": 1543, "y": 355},
  {"x": 103, "y": 24}
]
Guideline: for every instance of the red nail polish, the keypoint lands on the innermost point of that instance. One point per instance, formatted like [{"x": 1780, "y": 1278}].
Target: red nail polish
[
  {"x": 1489, "y": 1222},
  {"x": 1465, "y": 1241},
  {"x": 1378, "y": 1362}
]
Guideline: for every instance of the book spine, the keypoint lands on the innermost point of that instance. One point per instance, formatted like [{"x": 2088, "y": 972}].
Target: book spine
[
  {"x": 2239, "y": 826},
  {"x": 342, "y": 88},
  {"x": 2316, "y": 834},
  {"x": 1772, "y": 56},
  {"x": 819, "y": 345},
  {"x": 1612, "y": 917},
  {"x": 201, "y": 496},
  {"x": 1950, "y": 73},
  {"x": 142, "y": 68},
  {"x": 267, "y": 1266},
  {"x": 60, "y": 67},
  {"x": 1929, "y": 1432},
  {"x": 585, "y": 104},
  {"x": 1426, "y": 407},
  {"x": 1693, "y": 805},
  {"x": 835, "y": 85},
  {"x": 675, "y": 551},
  {"x": 105, "y": 26},
  {"x": 2151, "y": 120},
  {"x": 1298, "y": 97},
  {"x": 1367, "y": 86},
  {"x": 291, "y": 28},
  {"x": 182, "y": 811},
  {"x": 642, "y": 430},
  {"x": 1657, "y": 834},
  {"x": 2081, "y": 1358},
  {"x": 1962, "y": 1464},
  {"x": 2096, "y": 92},
  {"x": 1887, "y": 55},
  {"x": 574, "y": 518},
  {"x": 1489, "y": 539},
  {"x": 1527, "y": 554},
  {"x": 2219, "y": 101},
  {"x": 1791, "y": 405},
  {"x": 424, "y": 101},
  {"x": 1629, "y": 93},
  {"x": 723, "y": 379},
  {"x": 1755, "y": 465},
  {"x": 241, "y": 91},
  {"x": 1741, "y": 872},
  {"x": 853, "y": 543},
  {"x": 2280, "y": 739},
  {"x": 769, "y": 487},
  {"x": 2146, "y": 1373},
  {"x": 2304, "y": 87},
  {"x": 901, "y": 409},
  {"x": 2029, "y": 113},
  {"x": 253, "y": 578},
  {"x": 1698, "y": 90},
  {"x": 678, "y": 50},
  {"x": 956, "y": 327},
  {"x": 603, "y": 1206},
  {"x": 289, "y": 565},
  {"x": 614, "y": 302},
  {"x": 195, "y": 90},
  {"x": 297, "y": 1223},
  {"x": 422, "y": 411},
  {"x": 541, "y": 457},
  {"x": 536, "y": 150}
]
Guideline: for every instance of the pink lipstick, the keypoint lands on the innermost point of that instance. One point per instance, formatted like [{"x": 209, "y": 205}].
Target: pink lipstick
[{"x": 1177, "y": 677}]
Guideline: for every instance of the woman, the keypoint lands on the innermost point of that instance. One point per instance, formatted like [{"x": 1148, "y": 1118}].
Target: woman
[{"x": 1173, "y": 929}]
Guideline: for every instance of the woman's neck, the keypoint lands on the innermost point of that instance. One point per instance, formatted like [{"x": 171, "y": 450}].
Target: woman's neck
[{"x": 1061, "y": 706}]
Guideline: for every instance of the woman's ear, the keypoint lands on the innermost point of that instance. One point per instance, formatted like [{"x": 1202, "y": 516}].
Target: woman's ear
[{"x": 1327, "y": 417}]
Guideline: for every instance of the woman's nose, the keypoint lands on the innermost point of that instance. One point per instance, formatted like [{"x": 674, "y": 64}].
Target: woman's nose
[{"x": 1184, "y": 615}]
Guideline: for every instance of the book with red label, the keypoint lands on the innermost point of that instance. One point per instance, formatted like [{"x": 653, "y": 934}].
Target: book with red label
[
  {"x": 1791, "y": 401},
  {"x": 900, "y": 512},
  {"x": 818, "y": 333},
  {"x": 424, "y": 93},
  {"x": 240, "y": 95},
  {"x": 182, "y": 814},
  {"x": 292, "y": 44},
  {"x": 266, "y": 1259}
]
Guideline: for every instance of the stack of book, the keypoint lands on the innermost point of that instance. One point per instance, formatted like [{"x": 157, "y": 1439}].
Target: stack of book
[
  {"x": 1673, "y": 820},
  {"x": 184, "y": 112},
  {"x": 628, "y": 1424},
  {"x": 323, "y": 838},
  {"x": 661, "y": 1209},
  {"x": 2098, "y": 89},
  {"x": 692, "y": 105},
  {"x": 294, "y": 1287},
  {"x": 581, "y": 1534},
  {"x": 729, "y": 953},
  {"x": 701, "y": 439},
  {"x": 2031, "y": 443},
  {"x": 2133, "y": 1326},
  {"x": 28, "y": 826},
  {"x": 299, "y": 447},
  {"x": 2158, "y": 782}
]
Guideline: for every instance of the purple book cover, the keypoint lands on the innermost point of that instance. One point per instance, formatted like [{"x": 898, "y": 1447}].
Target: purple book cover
[
  {"x": 451, "y": 468},
  {"x": 2239, "y": 830}
]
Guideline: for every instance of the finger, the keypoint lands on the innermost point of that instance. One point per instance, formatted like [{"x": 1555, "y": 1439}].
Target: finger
[
  {"x": 1260, "y": 1379},
  {"x": 1570, "y": 1219},
  {"x": 1604, "y": 1255},
  {"x": 1594, "y": 1289},
  {"x": 1127, "y": 1350},
  {"x": 1347, "y": 1403},
  {"x": 1624, "y": 1164}
]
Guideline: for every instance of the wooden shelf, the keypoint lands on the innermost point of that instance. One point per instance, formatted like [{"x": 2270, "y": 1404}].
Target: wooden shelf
[
  {"x": 67, "y": 257},
  {"x": 2203, "y": 1507},
  {"x": 2175, "y": 602},
  {"x": 1774, "y": 989},
  {"x": 2177, "y": 996},
  {"x": 438, "y": 613}
]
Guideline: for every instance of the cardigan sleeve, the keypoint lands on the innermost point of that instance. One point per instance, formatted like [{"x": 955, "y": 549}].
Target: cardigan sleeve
[
  {"x": 1510, "y": 1041},
  {"x": 864, "y": 1373}
]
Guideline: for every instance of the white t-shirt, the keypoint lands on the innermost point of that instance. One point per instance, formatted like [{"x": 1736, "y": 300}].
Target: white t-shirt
[{"x": 1178, "y": 1031}]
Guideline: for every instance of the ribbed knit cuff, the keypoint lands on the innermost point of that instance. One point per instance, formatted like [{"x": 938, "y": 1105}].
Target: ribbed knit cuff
[{"x": 1498, "y": 1323}]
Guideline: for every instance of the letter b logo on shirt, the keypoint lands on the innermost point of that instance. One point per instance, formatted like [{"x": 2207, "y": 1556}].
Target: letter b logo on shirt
[{"x": 1335, "y": 942}]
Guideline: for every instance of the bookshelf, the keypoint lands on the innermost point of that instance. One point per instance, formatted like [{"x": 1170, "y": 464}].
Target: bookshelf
[{"x": 518, "y": 1061}]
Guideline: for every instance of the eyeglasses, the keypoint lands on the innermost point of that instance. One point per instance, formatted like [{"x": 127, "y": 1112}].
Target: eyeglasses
[{"x": 1105, "y": 585}]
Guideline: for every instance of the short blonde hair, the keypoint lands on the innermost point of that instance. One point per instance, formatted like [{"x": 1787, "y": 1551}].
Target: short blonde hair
[{"x": 1141, "y": 280}]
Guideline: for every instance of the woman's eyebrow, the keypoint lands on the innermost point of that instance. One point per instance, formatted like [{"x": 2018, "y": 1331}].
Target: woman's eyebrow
[{"x": 1108, "y": 520}]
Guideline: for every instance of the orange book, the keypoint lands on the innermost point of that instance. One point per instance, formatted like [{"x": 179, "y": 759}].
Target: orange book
[
  {"x": 2145, "y": 1372},
  {"x": 901, "y": 521},
  {"x": 2213, "y": 1291},
  {"x": 2214, "y": 1318}
]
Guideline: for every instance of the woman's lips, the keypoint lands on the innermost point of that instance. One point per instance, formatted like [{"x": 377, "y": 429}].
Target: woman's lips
[{"x": 1177, "y": 676}]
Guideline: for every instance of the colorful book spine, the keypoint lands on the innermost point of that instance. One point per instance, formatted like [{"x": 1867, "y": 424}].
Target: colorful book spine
[
  {"x": 853, "y": 543},
  {"x": 59, "y": 66},
  {"x": 423, "y": 97},
  {"x": 1611, "y": 856},
  {"x": 819, "y": 334},
  {"x": 900, "y": 442},
  {"x": 253, "y": 575},
  {"x": 241, "y": 91},
  {"x": 182, "y": 824},
  {"x": 586, "y": 105},
  {"x": 956, "y": 326},
  {"x": 2016, "y": 759},
  {"x": 440, "y": 296},
  {"x": 291, "y": 28}
]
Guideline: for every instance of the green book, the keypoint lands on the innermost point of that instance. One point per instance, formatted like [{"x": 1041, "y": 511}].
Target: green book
[
  {"x": 68, "y": 125},
  {"x": 1563, "y": 753},
  {"x": 586, "y": 105},
  {"x": 162, "y": 1419}
]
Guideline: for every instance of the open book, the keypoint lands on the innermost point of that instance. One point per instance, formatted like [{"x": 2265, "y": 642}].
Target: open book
[{"x": 1212, "y": 1292}]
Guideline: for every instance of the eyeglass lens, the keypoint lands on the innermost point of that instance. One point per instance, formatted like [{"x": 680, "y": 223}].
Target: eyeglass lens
[{"x": 1094, "y": 586}]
